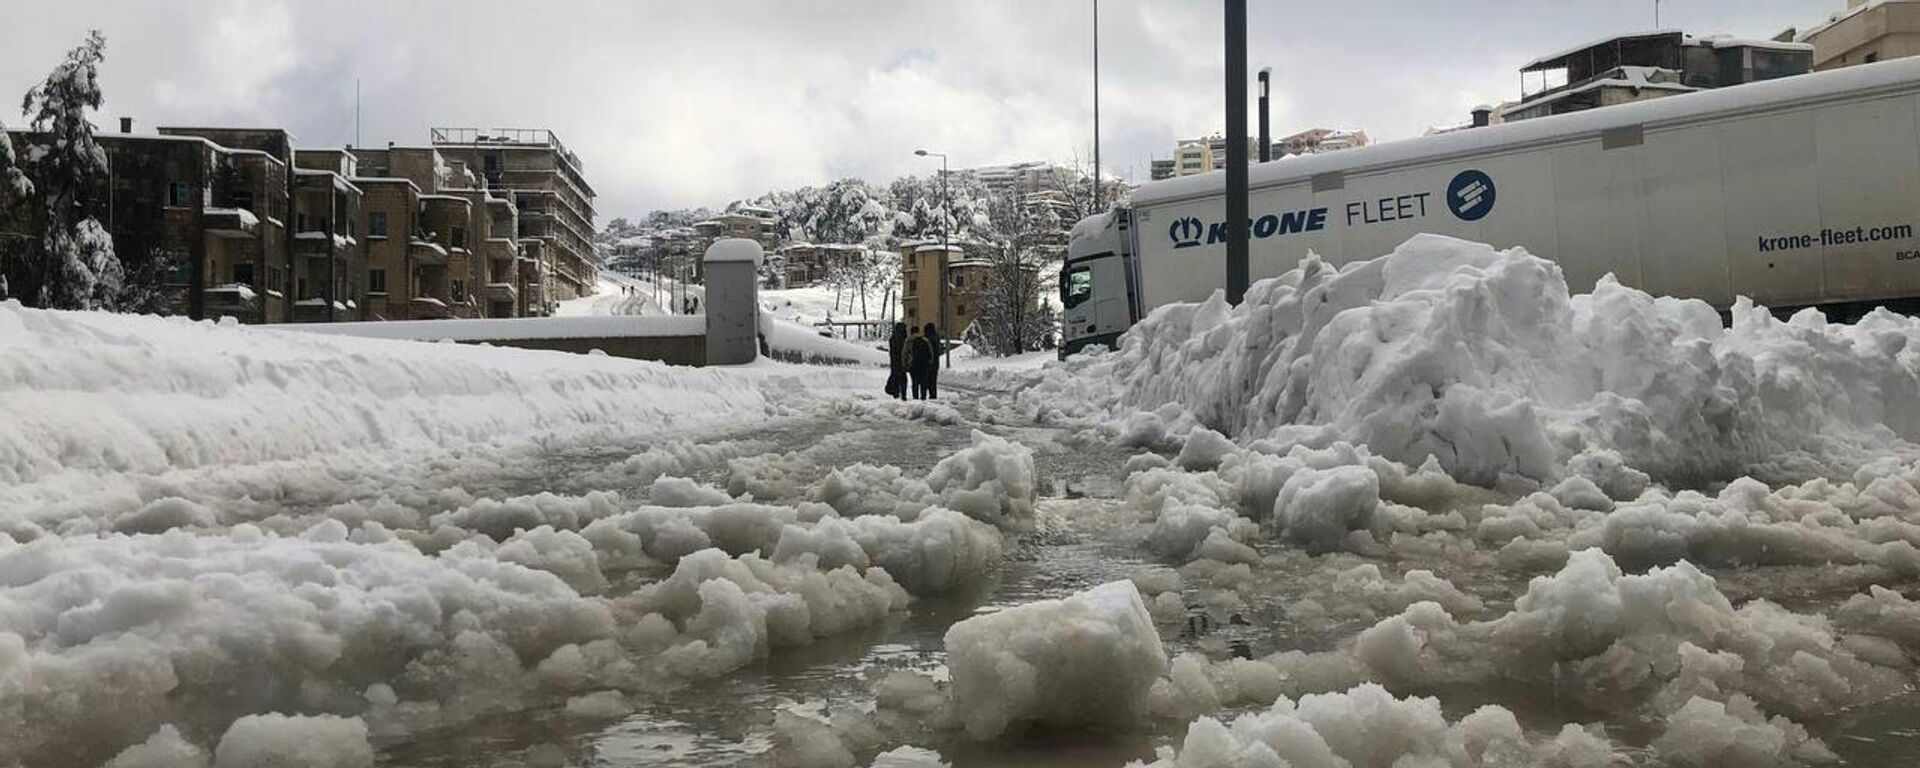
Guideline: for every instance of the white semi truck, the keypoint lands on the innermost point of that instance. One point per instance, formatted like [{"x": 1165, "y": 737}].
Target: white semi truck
[{"x": 1796, "y": 192}]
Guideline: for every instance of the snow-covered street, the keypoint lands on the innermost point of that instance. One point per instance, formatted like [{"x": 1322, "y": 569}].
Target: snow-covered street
[{"x": 1452, "y": 516}]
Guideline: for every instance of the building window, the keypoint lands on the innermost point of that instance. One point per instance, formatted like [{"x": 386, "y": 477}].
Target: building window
[
  {"x": 377, "y": 224},
  {"x": 376, "y": 281},
  {"x": 243, "y": 274},
  {"x": 276, "y": 279},
  {"x": 459, "y": 291},
  {"x": 299, "y": 222},
  {"x": 300, "y": 284},
  {"x": 458, "y": 239},
  {"x": 178, "y": 195}
]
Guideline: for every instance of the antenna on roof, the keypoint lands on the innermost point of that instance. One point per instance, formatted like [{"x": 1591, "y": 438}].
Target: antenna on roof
[
  {"x": 356, "y": 110},
  {"x": 1656, "y": 14}
]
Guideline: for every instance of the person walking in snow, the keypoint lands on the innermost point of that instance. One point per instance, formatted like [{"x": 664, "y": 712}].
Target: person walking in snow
[
  {"x": 934, "y": 345},
  {"x": 896, "y": 364},
  {"x": 918, "y": 358}
]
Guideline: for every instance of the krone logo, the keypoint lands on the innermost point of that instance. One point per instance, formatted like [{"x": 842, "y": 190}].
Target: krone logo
[
  {"x": 1186, "y": 232},
  {"x": 1471, "y": 195}
]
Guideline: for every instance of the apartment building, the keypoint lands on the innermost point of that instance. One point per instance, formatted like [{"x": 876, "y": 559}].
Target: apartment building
[
  {"x": 547, "y": 186},
  {"x": 207, "y": 203},
  {"x": 1866, "y": 32},
  {"x": 441, "y": 242}
]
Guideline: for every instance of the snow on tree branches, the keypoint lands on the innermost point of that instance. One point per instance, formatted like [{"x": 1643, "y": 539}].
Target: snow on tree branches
[{"x": 67, "y": 259}]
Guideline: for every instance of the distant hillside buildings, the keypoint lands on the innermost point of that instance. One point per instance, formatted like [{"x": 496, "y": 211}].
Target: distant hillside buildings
[
  {"x": 1209, "y": 153},
  {"x": 478, "y": 224}
]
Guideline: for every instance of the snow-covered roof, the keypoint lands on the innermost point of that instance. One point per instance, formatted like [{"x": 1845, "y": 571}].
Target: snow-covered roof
[
  {"x": 453, "y": 198},
  {"x": 1729, "y": 41},
  {"x": 1894, "y": 75},
  {"x": 1557, "y": 55}
]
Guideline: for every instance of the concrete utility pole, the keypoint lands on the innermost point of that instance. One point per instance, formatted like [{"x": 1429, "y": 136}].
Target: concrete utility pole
[{"x": 1236, "y": 151}]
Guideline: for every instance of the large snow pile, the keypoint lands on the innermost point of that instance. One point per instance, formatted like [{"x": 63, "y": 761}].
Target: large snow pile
[
  {"x": 1089, "y": 659},
  {"x": 1482, "y": 359}
]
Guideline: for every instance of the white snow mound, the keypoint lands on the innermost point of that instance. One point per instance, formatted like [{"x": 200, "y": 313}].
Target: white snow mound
[
  {"x": 1089, "y": 659},
  {"x": 1482, "y": 359}
]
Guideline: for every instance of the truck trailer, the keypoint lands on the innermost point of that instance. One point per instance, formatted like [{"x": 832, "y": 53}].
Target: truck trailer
[{"x": 1796, "y": 192}]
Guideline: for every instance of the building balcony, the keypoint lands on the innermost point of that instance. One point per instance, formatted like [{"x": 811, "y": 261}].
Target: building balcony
[
  {"x": 430, "y": 308},
  {"x": 316, "y": 310},
  {"x": 499, "y": 292},
  {"x": 230, "y": 222},
  {"x": 317, "y": 244},
  {"x": 426, "y": 252},
  {"x": 231, "y": 299}
]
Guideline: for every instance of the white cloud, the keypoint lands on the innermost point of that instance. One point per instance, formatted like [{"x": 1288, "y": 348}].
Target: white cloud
[{"x": 687, "y": 103}]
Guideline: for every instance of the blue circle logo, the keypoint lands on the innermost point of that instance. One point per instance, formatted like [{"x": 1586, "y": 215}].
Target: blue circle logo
[{"x": 1471, "y": 195}]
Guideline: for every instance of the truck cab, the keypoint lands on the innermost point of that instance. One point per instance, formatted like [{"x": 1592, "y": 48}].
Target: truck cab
[{"x": 1097, "y": 295}]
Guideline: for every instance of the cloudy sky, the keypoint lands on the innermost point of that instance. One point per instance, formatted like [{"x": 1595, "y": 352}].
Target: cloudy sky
[{"x": 699, "y": 102}]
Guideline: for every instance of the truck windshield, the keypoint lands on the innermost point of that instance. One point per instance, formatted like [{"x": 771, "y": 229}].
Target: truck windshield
[{"x": 1076, "y": 286}]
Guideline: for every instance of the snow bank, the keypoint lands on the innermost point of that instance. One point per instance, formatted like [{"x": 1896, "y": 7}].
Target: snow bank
[
  {"x": 86, "y": 398},
  {"x": 1089, "y": 659},
  {"x": 1481, "y": 359},
  {"x": 1367, "y": 726}
]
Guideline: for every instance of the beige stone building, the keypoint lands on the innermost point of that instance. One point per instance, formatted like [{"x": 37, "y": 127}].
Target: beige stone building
[
  {"x": 921, "y": 265},
  {"x": 546, "y": 183},
  {"x": 1866, "y": 32}
]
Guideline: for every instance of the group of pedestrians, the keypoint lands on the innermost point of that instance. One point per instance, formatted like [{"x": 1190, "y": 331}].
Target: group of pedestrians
[{"x": 914, "y": 356}]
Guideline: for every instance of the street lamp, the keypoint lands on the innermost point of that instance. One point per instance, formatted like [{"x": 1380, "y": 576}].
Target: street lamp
[{"x": 946, "y": 204}]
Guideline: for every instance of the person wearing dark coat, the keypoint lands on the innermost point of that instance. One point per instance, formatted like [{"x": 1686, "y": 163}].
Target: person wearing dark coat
[
  {"x": 934, "y": 344},
  {"x": 896, "y": 363},
  {"x": 918, "y": 358}
]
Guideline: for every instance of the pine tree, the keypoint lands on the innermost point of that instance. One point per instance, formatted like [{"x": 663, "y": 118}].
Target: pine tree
[
  {"x": 15, "y": 191},
  {"x": 72, "y": 265}
]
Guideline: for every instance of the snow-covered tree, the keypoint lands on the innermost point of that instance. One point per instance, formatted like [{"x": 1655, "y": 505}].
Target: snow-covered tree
[
  {"x": 1013, "y": 318},
  {"x": 69, "y": 263}
]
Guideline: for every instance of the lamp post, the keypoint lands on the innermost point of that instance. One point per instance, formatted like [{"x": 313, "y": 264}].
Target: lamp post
[
  {"x": 1266, "y": 139},
  {"x": 946, "y": 256}
]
